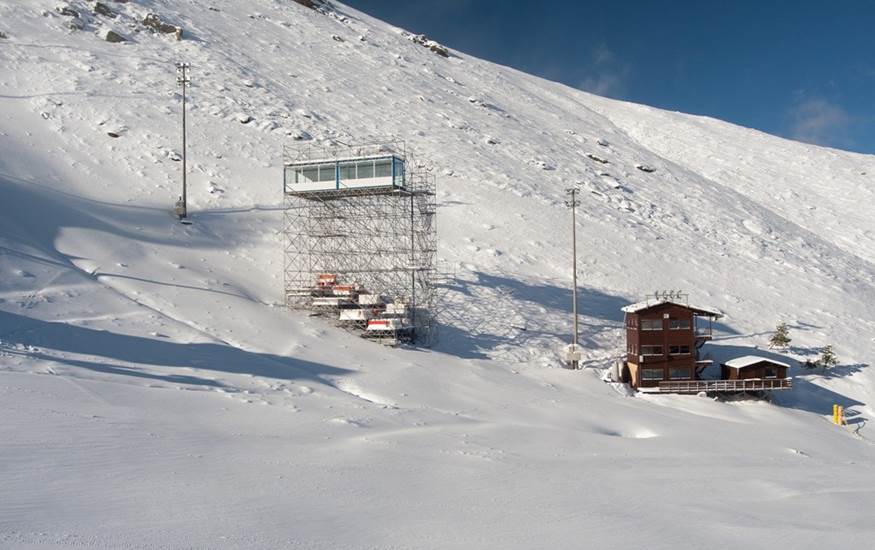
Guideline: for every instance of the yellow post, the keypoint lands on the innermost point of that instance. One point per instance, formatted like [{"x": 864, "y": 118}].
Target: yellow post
[
  {"x": 835, "y": 414},
  {"x": 841, "y": 416}
]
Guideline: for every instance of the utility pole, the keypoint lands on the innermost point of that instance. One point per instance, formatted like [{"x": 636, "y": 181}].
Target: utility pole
[
  {"x": 183, "y": 80},
  {"x": 573, "y": 203}
]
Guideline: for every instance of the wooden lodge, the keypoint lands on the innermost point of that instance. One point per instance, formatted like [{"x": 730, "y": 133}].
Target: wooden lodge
[
  {"x": 753, "y": 367},
  {"x": 663, "y": 340}
]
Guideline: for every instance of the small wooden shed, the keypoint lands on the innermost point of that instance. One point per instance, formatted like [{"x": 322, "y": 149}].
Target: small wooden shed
[{"x": 753, "y": 367}]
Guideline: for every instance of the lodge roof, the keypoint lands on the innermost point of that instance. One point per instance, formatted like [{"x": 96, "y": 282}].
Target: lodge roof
[
  {"x": 748, "y": 360},
  {"x": 647, "y": 304}
]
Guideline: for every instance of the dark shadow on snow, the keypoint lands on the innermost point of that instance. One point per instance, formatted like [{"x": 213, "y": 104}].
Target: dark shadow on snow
[
  {"x": 474, "y": 336},
  {"x": 60, "y": 209},
  {"x": 805, "y": 394},
  {"x": 101, "y": 348}
]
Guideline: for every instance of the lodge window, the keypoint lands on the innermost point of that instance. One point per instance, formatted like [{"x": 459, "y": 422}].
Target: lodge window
[
  {"x": 679, "y": 373},
  {"x": 307, "y": 175},
  {"x": 679, "y": 324},
  {"x": 365, "y": 170},
  {"x": 383, "y": 168},
  {"x": 679, "y": 350},
  {"x": 399, "y": 173},
  {"x": 347, "y": 171},
  {"x": 651, "y": 374},
  {"x": 651, "y": 350},
  {"x": 771, "y": 372},
  {"x": 651, "y": 324},
  {"x": 327, "y": 173}
]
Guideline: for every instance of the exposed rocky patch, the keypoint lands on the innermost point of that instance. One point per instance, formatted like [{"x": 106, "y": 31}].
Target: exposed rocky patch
[
  {"x": 112, "y": 36},
  {"x": 432, "y": 45},
  {"x": 317, "y": 5},
  {"x": 66, "y": 10},
  {"x": 154, "y": 22},
  {"x": 102, "y": 9}
]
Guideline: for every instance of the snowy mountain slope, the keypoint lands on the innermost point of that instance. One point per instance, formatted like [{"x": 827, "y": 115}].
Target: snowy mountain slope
[
  {"x": 150, "y": 380},
  {"x": 769, "y": 170}
]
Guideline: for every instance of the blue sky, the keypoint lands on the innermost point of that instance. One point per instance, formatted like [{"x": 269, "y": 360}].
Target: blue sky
[{"x": 800, "y": 69}]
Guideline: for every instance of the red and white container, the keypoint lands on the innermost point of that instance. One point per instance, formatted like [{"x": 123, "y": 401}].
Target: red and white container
[
  {"x": 385, "y": 325},
  {"x": 326, "y": 280}
]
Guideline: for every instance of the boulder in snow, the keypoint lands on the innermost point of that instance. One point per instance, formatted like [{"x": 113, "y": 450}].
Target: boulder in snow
[
  {"x": 102, "y": 9},
  {"x": 645, "y": 168},
  {"x": 603, "y": 142},
  {"x": 3, "y": 35},
  {"x": 76, "y": 24},
  {"x": 438, "y": 49},
  {"x": 112, "y": 36},
  {"x": 243, "y": 118},
  {"x": 154, "y": 22},
  {"x": 422, "y": 40},
  {"x": 597, "y": 158},
  {"x": 299, "y": 135},
  {"x": 66, "y": 10}
]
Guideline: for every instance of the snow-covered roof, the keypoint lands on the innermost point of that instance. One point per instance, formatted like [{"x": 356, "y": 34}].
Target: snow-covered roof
[
  {"x": 333, "y": 160},
  {"x": 647, "y": 304},
  {"x": 748, "y": 360}
]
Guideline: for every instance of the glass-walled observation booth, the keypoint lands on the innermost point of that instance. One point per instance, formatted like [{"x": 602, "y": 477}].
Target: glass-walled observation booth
[{"x": 338, "y": 174}]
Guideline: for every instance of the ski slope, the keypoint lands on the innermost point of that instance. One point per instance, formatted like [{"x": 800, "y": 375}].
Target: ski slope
[{"x": 155, "y": 393}]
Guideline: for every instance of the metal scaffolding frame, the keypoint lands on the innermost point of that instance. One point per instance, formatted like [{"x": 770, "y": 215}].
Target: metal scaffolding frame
[{"x": 381, "y": 239}]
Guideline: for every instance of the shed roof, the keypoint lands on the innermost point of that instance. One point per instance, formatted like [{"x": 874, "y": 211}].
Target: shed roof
[
  {"x": 647, "y": 304},
  {"x": 748, "y": 360}
]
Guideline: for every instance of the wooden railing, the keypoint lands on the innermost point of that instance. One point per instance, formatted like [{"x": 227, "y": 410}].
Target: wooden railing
[{"x": 696, "y": 386}]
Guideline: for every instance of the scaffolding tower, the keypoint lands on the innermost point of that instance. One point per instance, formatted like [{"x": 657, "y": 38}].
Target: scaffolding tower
[{"x": 364, "y": 214}]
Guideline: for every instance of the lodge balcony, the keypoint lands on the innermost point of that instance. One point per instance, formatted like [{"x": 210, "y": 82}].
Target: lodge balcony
[
  {"x": 709, "y": 386},
  {"x": 703, "y": 331}
]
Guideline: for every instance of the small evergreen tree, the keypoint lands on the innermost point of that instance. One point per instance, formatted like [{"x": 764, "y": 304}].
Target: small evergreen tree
[
  {"x": 827, "y": 358},
  {"x": 781, "y": 337}
]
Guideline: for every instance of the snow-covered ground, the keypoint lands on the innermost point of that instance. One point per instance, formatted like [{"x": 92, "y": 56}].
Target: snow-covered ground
[{"x": 154, "y": 394}]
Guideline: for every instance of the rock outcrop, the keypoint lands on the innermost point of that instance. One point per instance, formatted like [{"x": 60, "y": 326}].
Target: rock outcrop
[
  {"x": 102, "y": 9},
  {"x": 112, "y": 36},
  {"x": 423, "y": 40},
  {"x": 154, "y": 22}
]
